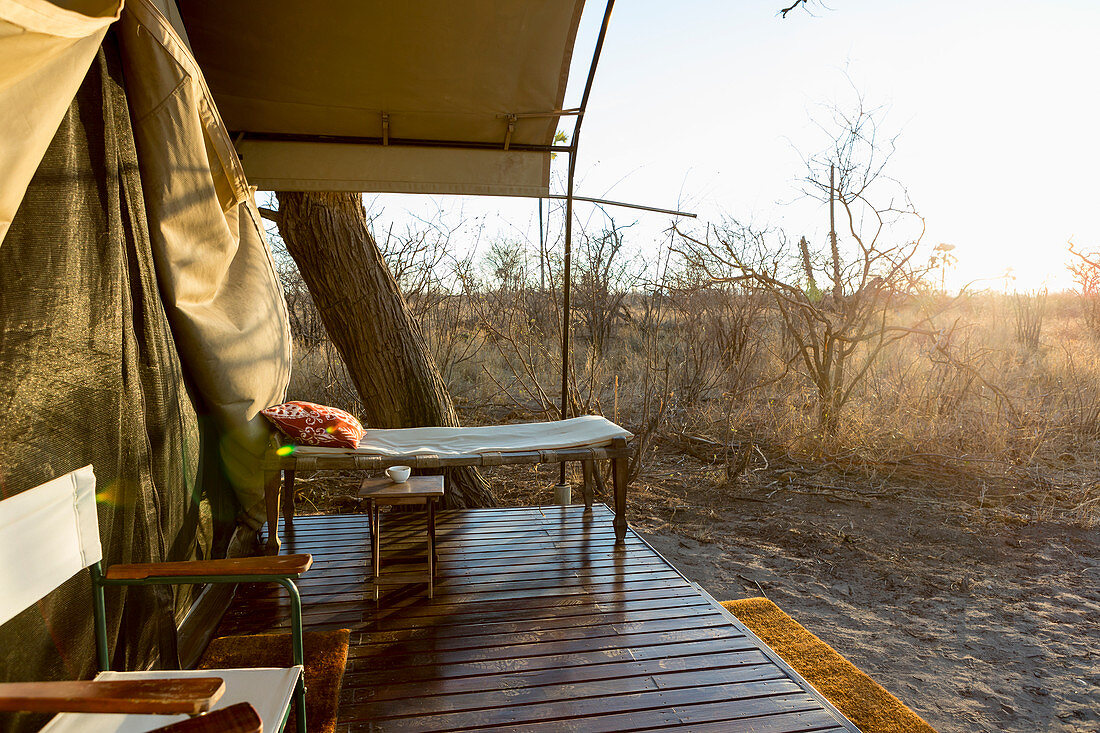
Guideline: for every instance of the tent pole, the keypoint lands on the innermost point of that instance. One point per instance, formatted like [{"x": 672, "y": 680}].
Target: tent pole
[
  {"x": 565, "y": 316},
  {"x": 542, "y": 253}
]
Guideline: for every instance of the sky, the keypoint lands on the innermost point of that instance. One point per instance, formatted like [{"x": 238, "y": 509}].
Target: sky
[{"x": 705, "y": 106}]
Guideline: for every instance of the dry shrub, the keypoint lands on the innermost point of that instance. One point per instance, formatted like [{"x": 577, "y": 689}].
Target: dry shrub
[{"x": 962, "y": 410}]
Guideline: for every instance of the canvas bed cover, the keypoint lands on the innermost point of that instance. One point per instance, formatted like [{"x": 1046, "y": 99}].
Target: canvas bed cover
[{"x": 587, "y": 431}]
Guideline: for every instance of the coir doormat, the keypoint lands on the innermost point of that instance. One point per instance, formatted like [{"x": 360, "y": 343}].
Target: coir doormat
[
  {"x": 862, "y": 700},
  {"x": 326, "y": 655}
]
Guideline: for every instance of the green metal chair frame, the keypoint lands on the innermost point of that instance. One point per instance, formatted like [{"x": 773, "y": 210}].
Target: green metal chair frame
[
  {"x": 63, "y": 511},
  {"x": 99, "y": 609}
]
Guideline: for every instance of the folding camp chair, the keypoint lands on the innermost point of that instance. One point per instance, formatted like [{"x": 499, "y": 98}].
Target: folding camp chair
[{"x": 60, "y": 518}]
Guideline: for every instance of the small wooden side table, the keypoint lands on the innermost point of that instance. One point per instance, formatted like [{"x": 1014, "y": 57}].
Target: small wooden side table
[{"x": 384, "y": 492}]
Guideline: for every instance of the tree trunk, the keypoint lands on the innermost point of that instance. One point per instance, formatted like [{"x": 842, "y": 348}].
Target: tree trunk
[{"x": 369, "y": 323}]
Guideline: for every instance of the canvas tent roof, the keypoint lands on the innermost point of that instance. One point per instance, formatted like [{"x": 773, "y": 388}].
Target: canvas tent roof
[{"x": 388, "y": 96}]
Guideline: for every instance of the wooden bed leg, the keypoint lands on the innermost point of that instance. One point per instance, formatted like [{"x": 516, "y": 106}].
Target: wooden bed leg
[
  {"x": 271, "y": 501},
  {"x": 589, "y": 469},
  {"x": 288, "y": 499},
  {"x": 431, "y": 548},
  {"x": 376, "y": 545},
  {"x": 618, "y": 476}
]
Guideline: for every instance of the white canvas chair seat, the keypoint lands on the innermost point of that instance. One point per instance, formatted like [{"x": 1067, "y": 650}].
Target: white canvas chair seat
[
  {"x": 587, "y": 431},
  {"x": 269, "y": 690},
  {"x": 57, "y": 521}
]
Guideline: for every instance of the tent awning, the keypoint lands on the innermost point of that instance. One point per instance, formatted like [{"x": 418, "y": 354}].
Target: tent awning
[{"x": 431, "y": 96}]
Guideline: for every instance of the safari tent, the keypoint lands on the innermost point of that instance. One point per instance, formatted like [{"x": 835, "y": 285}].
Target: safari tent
[{"x": 143, "y": 328}]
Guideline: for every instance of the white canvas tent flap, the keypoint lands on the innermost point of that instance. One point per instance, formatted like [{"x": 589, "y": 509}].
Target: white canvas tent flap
[
  {"x": 382, "y": 95},
  {"x": 45, "y": 51},
  {"x": 313, "y": 166},
  {"x": 217, "y": 279},
  {"x": 213, "y": 266}
]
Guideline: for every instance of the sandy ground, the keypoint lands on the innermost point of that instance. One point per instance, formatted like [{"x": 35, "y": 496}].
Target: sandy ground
[
  {"x": 977, "y": 626},
  {"x": 979, "y": 620}
]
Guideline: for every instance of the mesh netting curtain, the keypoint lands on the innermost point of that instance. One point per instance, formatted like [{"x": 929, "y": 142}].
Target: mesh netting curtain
[{"x": 89, "y": 373}]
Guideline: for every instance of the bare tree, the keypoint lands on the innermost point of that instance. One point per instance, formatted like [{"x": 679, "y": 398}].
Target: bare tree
[
  {"x": 368, "y": 320},
  {"x": 1029, "y": 310},
  {"x": 1085, "y": 268},
  {"x": 604, "y": 279},
  {"x": 838, "y": 332}
]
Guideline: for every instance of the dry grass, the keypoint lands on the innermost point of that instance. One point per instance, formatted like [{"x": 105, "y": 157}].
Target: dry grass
[
  {"x": 943, "y": 528},
  {"x": 967, "y": 413}
]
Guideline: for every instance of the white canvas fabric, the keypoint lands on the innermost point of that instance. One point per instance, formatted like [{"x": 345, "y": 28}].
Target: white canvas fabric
[
  {"x": 219, "y": 285},
  {"x": 307, "y": 166},
  {"x": 45, "y": 51},
  {"x": 268, "y": 689},
  {"x": 213, "y": 265},
  {"x": 440, "y": 71},
  {"x": 47, "y": 535},
  {"x": 587, "y": 431}
]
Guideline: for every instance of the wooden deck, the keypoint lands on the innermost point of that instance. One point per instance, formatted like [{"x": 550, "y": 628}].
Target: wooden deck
[{"x": 539, "y": 623}]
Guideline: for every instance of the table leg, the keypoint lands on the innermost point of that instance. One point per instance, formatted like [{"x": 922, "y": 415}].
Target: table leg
[
  {"x": 589, "y": 471},
  {"x": 271, "y": 500},
  {"x": 431, "y": 548},
  {"x": 376, "y": 544},
  {"x": 288, "y": 499}
]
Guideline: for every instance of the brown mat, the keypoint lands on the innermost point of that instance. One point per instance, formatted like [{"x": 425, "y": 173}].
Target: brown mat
[
  {"x": 326, "y": 654},
  {"x": 865, "y": 702}
]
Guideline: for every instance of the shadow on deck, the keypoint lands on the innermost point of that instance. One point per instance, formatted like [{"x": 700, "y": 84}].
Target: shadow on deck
[{"x": 539, "y": 622}]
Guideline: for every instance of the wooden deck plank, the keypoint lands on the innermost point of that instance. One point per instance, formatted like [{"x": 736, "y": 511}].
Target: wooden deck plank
[
  {"x": 481, "y": 568},
  {"x": 672, "y": 608},
  {"x": 758, "y": 715},
  {"x": 807, "y": 721},
  {"x": 500, "y": 581},
  {"x": 512, "y": 550},
  {"x": 415, "y": 603},
  {"x": 393, "y": 657},
  {"x": 272, "y": 612},
  {"x": 550, "y": 695},
  {"x": 540, "y": 622},
  {"x": 553, "y": 677},
  {"x": 367, "y": 674},
  {"x": 426, "y": 643},
  {"x": 561, "y": 710}
]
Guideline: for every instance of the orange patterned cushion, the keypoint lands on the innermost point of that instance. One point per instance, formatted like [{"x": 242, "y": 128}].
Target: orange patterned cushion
[{"x": 312, "y": 424}]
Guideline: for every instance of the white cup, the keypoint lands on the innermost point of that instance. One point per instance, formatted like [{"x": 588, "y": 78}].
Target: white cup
[{"x": 398, "y": 474}]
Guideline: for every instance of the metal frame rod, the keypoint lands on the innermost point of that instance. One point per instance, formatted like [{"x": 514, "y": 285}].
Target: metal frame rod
[
  {"x": 532, "y": 115},
  {"x": 242, "y": 136},
  {"x": 99, "y": 612},
  {"x": 99, "y": 581},
  {"x": 608, "y": 202},
  {"x": 542, "y": 251},
  {"x": 568, "y": 258}
]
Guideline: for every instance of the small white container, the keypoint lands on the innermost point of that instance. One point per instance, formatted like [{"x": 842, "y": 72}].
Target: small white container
[{"x": 398, "y": 474}]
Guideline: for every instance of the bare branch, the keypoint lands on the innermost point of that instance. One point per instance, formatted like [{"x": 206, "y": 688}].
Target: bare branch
[
  {"x": 270, "y": 214},
  {"x": 783, "y": 11}
]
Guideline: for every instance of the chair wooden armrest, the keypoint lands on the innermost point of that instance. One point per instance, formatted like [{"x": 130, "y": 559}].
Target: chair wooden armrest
[
  {"x": 288, "y": 566},
  {"x": 239, "y": 718},
  {"x": 188, "y": 696}
]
